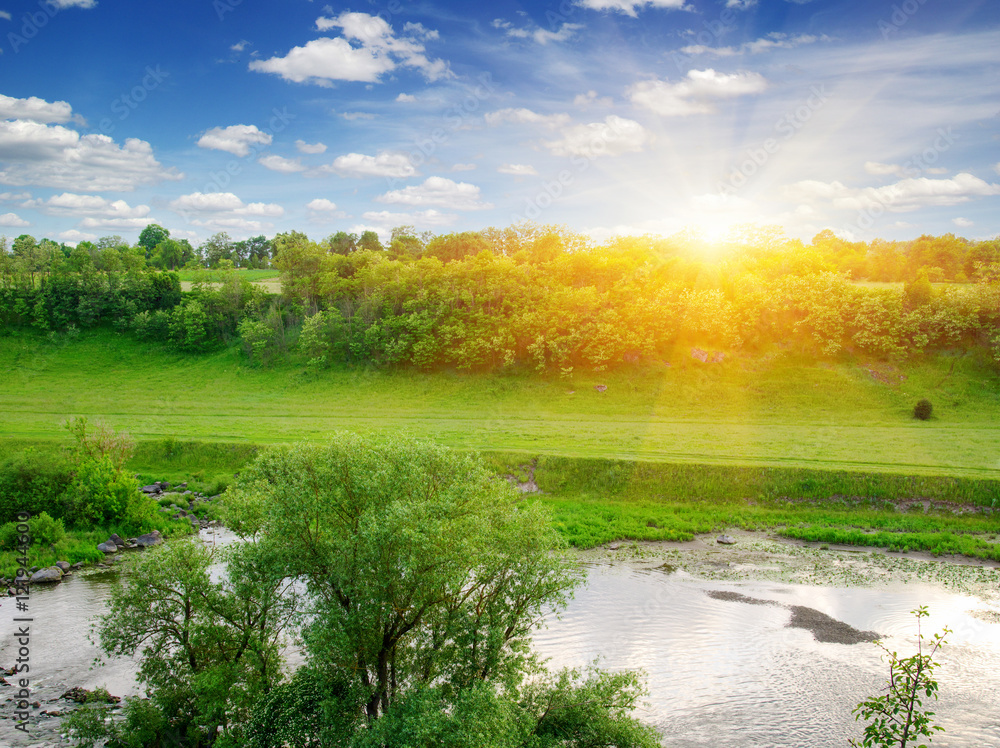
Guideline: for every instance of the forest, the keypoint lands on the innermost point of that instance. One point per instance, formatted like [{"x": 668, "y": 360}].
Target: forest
[{"x": 527, "y": 296}]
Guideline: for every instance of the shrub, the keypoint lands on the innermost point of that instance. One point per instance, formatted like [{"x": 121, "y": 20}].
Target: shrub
[
  {"x": 43, "y": 529},
  {"x": 922, "y": 410}
]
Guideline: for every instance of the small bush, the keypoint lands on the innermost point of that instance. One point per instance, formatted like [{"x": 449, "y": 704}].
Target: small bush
[{"x": 922, "y": 410}]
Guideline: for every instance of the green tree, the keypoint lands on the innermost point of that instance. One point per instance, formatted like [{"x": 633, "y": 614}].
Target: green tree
[
  {"x": 151, "y": 237},
  {"x": 425, "y": 577},
  {"x": 369, "y": 240},
  {"x": 208, "y": 643},
  {"x": 342, "y": 243},
  {"x": 897, "y": 718}
]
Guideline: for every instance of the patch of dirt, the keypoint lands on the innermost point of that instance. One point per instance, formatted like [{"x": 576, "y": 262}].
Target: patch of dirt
[{"x": 525, "y": 486}]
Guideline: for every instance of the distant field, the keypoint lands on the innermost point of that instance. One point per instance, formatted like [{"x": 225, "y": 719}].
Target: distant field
[
  {"x": 269, "y": 279},
  {"x": 772, "y": 412}
]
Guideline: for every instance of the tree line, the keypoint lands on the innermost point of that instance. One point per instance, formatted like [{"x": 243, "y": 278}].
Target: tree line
[{"x": 539, "y": 297}]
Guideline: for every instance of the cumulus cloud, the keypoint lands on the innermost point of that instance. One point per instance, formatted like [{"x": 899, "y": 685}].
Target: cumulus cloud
[
  {"x": 774, "y": 40},
  {"x": 440, "y": 192},
  {"x": 321, "y": 205},
  {"x": 903, "y": 196},
  {"x": 629, "y": 7},
  {"x": 97, "y": 211},
  {"x": 311, "y": 148},
  {"x": 224, "y": 211},
  {"x": 590, "y": 98},
  {"x": 235, "y": 139},
  {"x": 696, "y": 94},
  {"x": 55, "y": 156},
  {"x": 281, "y": 164},
  {"x": 518, "y": 170},
  {"x": 368, "y": 49},
  {"x": 74, "y": 236},
  {"x": 405, "y": 98},
  {"x": 74, "y": 3},
  {"x": 420, "y": 219},
  {"x": 962, "y": 223},
  {"x": 612, "y": 137},
  {"x": 463, "y": 167},
  {"x": 13, "y": 220},
  {"x": 34, "y": 109},
  {"x": 383, "y": 164},
  {"x": 524, "y": 116}
]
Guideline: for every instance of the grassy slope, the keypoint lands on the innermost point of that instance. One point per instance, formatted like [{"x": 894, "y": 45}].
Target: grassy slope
[{"x": 775, "y": 412}]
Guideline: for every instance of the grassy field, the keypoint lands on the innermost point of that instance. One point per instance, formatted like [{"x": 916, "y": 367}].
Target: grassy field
[
  {"x": 773, "y": 411},
  {"x": 269, "y": 279}
]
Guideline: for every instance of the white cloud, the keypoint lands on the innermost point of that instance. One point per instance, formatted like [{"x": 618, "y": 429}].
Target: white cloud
[
  {"x": 996, "y": 167},
  {"x": 696, "y": 94},
  {"x": 38, "y": 110},
  {"x": 74, "y": 3},
  {"x": 612, "y": 137},
  {"x": 775, "y": 40},
  {"x": 628, "y": 7},
  {"x": 405, "y": 98},
  {"x": 380, "y": 51},
  {"x": 74, "y": 237},
  {"x": 384, "y": 164},
  {"x": 741, "y": 4},
  {"x": 13, "y": 220},
  {"x": 526, "y": 116},
  {"x": 518, "y": 170},
  {"x": 321, "y": 205},
  {"x": 879, "y": 169},
  {"x": 420, "y": 219},
  {"x": 55, "y": 156},
  {"x": 14, "y": 196},
  {"x": 240, "y": 45},
  {"x": 281, "y": 164},
  {"x": 963, "y": 223},
  {"x": 590, "y": 98},
  {"x": 97, "y": 212},
  {"x": 464, "y": 167},
  {"x": 352, "y": 116},
  {"x": 903, "y": 196},
  {"x": 235, "y": 139},
  {"x": 539, "y": 35},
  {"x": 225, "y": 203},
  {"x": 5, "y": 15},
  {"x": 438, "y": 191},
  {"x": 305, "y": 147}
]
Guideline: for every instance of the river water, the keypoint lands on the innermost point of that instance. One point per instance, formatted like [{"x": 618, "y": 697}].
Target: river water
[{"x": 721, "y": 672}]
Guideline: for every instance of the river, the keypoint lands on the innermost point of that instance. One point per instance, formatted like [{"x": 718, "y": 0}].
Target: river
[{"x": 723, "y": 669}]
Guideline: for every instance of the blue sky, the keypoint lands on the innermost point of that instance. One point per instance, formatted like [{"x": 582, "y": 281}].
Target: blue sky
[{"x": 609, "y": 116}]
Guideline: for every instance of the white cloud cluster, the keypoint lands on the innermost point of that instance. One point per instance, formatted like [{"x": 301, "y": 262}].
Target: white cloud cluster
[
  {"x": 774, "y": 40},
  {"x": 311, "y": 148},
  {"x": 281, "y": 164},
  {"x": 13, "y": 220},
  {"x": 439, "y": 192},
  {"x": 903, "y": 196},
  {"x": 224, "y": 211},
  {"x": 235, "y": 139},
  {"x": 384, "y": 164},
  {"x": 96, "y": 211},
  {"x": 321, "y": 205},
  {"x": 518, "y": 170},
  {"x": 367, "y": 50},
  {"x": 696, "y": 94},
  {"x": 629, "y": 7},
  {"x": 421, "y": 219},
  {"x": 524, "y": 116},
  {"x": 55, "y": 156},
  {"x": 878, "y": 169},
  {"x": 538, "y": 35},
  {"x": 612, "y": 137},
  {"x": 34, "y": 109}
]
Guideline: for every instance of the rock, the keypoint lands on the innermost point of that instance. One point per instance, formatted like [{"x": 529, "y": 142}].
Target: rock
[
  {"x": 77, "y": 565},
  {"x": 33, "y": 569},
  {"x": 700, "y": 355},
  {"x": 718, "y": 357},
  {"x": 614, "y": 546},
  {"x": 601, "y": 387},
  {"x": 152, "y": 488},
  {"x": 726, "y": 540},
  {"x": 149, "y": 539},
  {"x": 116, "y": 539},
  {"x": 163, "y": 485},
  {"x": 64, "y": 566},
  {"x": 47, "y": 576},
  {"x": 182, "y": 486},
  {"x": 108, "y": 547}
]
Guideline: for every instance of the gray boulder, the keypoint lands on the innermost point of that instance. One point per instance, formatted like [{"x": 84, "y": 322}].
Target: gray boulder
[
  {"x": 152, "y": 488},
  {"x": 149, "y": 539},
  {"x": 108, "y": 547},
  {"x": 726, "y": 540},
  {"x": 116, "y": 539},
  {"x": 47, "y": 576},
  {"x": 64, "y": 565}
]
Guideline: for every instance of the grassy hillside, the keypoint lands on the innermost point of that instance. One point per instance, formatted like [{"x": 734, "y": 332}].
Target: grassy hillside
[{"x": 770, "y": 410}]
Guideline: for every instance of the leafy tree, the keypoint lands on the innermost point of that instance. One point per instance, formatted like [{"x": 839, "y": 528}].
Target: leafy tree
[
  {"x": 342, "y": 243},
  {"x": 151, "y": 237},
  {"x": 216, "y": 248},
  {"x": 897, "y": 718},
  {"x": 923, "y": 409},
  {"x": 449, "y": 247},
  {"x": 208, "y": 643},
  {"x": 425, "y": 578},
  {"x": 369, "y": 240}
]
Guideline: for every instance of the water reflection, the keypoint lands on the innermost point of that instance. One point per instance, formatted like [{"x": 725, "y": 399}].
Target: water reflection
[{"x": 724, "y": 673}]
